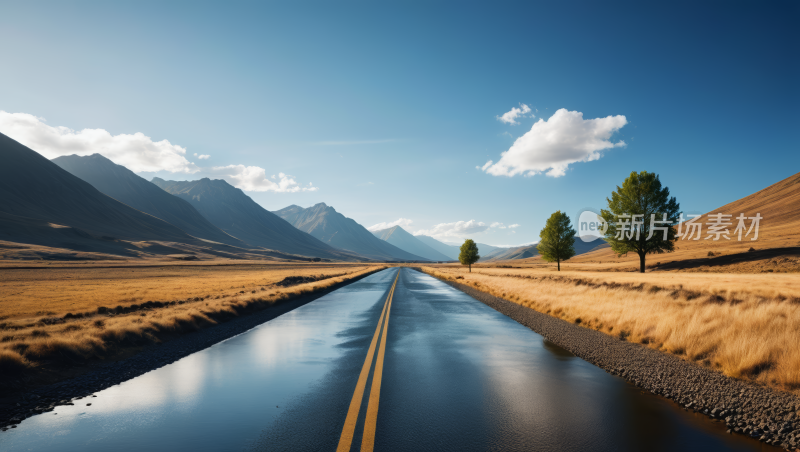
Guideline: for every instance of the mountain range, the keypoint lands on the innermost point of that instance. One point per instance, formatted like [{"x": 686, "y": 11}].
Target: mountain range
[
  {"x": 230, "y": 210},
  {"x": 400, "y": 238},
  {"x": 333, "y": 228},
  {"x": 125, "y": 186}
]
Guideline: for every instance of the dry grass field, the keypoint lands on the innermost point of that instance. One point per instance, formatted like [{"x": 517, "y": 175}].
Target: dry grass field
[
  {"x": 68, "y": 314},
  {"x": 746, "y": 326}
]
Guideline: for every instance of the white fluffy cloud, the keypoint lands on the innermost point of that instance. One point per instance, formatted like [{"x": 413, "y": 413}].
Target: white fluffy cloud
[
  {"x": 254, "y": 178},
  {"x": 497, "y": 225},
  {"x": 510, "y": 117},
  {"x": 457, "y": 229},
  {"x": 202, "y": 157},
  {"x": 402, "y": 222},
  {"x": 554, "y": 144},
  {"x": 137, "y": 152}
]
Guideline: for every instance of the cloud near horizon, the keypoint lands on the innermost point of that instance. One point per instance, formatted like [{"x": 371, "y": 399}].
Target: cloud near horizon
[
  {"x": 402, "y": 222},
  {"x": 551, "y": 146},
  {"x": 456, "y": 229},
  {"x": 137, "y": 152},
  {"x": 510, "y": 117},
  {"x": 254, "y": 178}
]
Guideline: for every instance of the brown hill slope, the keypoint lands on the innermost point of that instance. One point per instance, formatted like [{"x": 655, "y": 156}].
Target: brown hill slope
[{"x": 777, "y": 248}]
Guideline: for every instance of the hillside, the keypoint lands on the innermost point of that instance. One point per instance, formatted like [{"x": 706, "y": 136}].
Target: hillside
[
  {"x": 400, "y": 238},
  {"x": 229, "y": 209},
  {"x": 125, "y": 186},
  {"x": 333, "y": 228}
]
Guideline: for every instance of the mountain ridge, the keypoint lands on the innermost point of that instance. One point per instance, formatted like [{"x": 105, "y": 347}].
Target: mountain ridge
[
  {"x": 231, "y": 210},
  {"x": 400, "y": 238},
  {"x": 128, "y": 188},
  {"x": 331, "y": 227}
]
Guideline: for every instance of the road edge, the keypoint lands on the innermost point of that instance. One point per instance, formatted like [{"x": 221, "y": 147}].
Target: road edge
[{"x": 756, "y": 411}]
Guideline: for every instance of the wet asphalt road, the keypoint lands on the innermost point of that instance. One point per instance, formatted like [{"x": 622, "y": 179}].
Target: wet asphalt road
[{"x": 455, "y": 375}]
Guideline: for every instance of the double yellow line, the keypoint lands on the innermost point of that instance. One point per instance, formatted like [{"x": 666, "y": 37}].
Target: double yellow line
[{"x": 368, "y": 440}]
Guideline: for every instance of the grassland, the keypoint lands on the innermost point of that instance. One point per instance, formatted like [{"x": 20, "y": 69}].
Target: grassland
[
  {"x": 744, "y": 325},
  {"x": 70, "y": 314}
]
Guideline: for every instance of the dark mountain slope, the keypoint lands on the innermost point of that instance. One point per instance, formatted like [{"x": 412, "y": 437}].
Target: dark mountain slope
[
  {"x": 229, "y": 209},
  {"x": 123, "y": 185},
  {"x": 333, "y": 228},
  {"x": 33, "y": 187}
]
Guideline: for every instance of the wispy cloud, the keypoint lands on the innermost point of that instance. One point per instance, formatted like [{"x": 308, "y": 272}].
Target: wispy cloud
[
  {"x": 254, "y": 178},
  {"x": 137, "y": 152},
  {"x": 352, "y": 142},
  {"x": 510, "y": 117},
  {"x": 402, "y": 222},
  {"x": 551, "y": 146},
  {"x": 513, "y": 226},
  {"x": 455, "y": 229}
]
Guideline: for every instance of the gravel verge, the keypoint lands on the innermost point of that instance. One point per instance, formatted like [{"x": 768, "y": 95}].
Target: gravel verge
[
  {"x": 748, "y": 409},
  {"x": 42, "y": 399}
]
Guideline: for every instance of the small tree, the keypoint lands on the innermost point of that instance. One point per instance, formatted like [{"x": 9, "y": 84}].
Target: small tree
[
  {"x": 641, "y": 217},
  {"x": 557, "y": 239},
  {"x": 469, "y": 254}
]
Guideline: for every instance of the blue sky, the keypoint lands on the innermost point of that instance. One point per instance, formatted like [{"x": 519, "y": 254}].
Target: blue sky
[{"x": 389, "y": 110}]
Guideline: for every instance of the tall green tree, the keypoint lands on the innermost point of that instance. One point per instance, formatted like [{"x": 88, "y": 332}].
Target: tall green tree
[
  {"x": 469, "y": 254},
  {"x": 641, "y": 217},
  {"x": 557, "y": 239}
]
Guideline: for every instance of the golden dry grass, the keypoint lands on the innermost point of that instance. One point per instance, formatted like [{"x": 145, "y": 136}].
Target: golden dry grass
[
  {"x": 746, "y": 326},
  {"x": 69, "y": 315},
  {"x": 31, "y": 293}
]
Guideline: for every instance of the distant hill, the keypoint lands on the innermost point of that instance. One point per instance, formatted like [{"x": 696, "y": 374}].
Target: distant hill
[
  {"x": 123, "y": 185},
  {"x": 483, "y": 249},
  {"x": 46, "y": 205},
  {"x": 517, "y": 252},
  {"x": 398, "y": 237},
  {"x": 333, "y": 228},
  {"x": 229, "y": 209},
  {"x": 524, "y": 252},
  {"x": 450, "y": 251}
]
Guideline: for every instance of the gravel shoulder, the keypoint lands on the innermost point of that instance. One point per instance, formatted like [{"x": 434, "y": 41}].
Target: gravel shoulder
[
  {"x": 747, "y": 409},
  {"x": 14, "y": 409}
]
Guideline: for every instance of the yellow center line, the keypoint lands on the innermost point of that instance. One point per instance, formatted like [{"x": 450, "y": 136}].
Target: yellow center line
[
  {"x": 370, "y": 424},
  {"x": 355, "y": 404}
]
